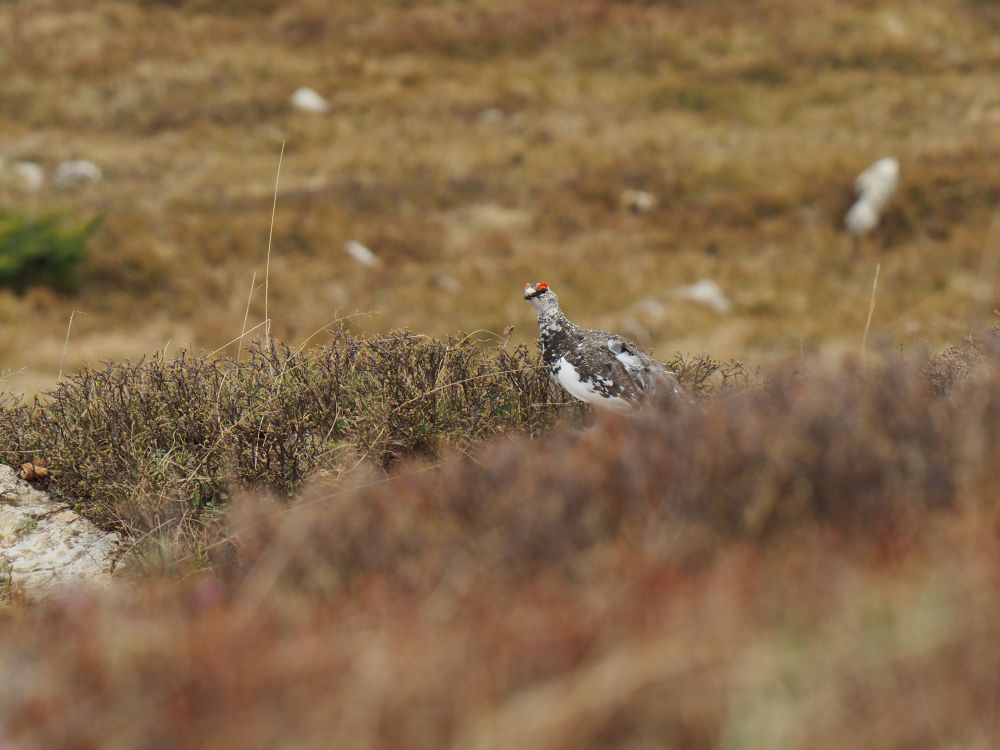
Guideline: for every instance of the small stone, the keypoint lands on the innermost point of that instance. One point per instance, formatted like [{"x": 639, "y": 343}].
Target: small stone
[
  {"x": 448, "y": 283},
  {"x": 638, "y": 201},
  {"x": 652, "y": 307},
  {"x": 308, "y": 100},
  {"x": 861, "y": 218},
  {"x": 31, "y": 175},
  {"x": 878, "y": 183},
  {"x": 492, "y": 116},
  {"x": 361, "y": 254},
  {"x": 705, "y": 292},
  {"x": 874, "y": 187},
  {"x": 77, "y": 173}
]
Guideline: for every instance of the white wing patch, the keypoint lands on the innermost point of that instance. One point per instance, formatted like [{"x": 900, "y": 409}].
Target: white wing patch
[
  {"x": 569, "y": 378},
  {"x": 631, "y": 361},
  {"x": 648, "y": 373}
]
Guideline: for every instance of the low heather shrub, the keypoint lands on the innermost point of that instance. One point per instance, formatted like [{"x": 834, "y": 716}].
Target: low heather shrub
[
  {"x": 149, "y": 444},
  {"x": 868, "y": 454},
  {"x": 191, "y": 428}
]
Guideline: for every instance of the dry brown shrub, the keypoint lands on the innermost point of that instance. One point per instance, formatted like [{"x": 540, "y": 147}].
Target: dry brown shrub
[{"x": 160, "y": 443}]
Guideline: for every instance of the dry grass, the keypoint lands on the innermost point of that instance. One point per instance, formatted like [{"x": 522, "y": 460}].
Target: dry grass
[{"x": 747, "y": 127}]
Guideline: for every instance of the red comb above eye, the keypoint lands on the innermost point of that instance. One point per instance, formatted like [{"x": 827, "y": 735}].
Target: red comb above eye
[{"x": 542, "y": 285}]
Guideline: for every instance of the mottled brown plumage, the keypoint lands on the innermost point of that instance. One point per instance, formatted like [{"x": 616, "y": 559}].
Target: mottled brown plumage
[{"x": 596, "y": 367}]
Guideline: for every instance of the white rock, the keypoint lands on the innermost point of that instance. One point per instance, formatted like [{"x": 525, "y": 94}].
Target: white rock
[
  {"x": 875, "y": 188},
  {"x": 45, "y": 546},
  {"x": 76, "y": 173},
  {"x": 309, "y": 100},
  {"x": 448, "y": 283},
  {"x": 861, "y": 218},
  {"x": 638, "y": 201},
  {"x": 878, "y": 183},
  {"x": 651, "y": 307},
  {"x": 360, "y": 253},
  {"x": 705, "y": 292},
  {"x": 492, "y": 116},
  {"x": 32, "y": 175}
]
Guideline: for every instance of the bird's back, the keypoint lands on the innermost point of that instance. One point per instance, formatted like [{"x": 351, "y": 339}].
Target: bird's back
[{"x": 613, "y": 363}]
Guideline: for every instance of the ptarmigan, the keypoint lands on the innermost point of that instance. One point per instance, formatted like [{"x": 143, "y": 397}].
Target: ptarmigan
[{"x": 596, "y": 367}]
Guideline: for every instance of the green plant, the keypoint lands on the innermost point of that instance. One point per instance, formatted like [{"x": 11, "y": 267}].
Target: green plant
[{"x": 42, "y": 251}]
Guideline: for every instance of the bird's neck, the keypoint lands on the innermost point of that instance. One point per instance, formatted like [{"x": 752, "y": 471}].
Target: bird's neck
[{"x": 551, "y": 324}]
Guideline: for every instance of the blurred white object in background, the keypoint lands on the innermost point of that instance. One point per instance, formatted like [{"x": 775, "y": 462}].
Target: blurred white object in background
[
  {"x": 360, "y": 253},
  {"x": 76, "y": 173},
  {"x": 638, "y": 201},
  {"x": 32, "y": 175},
  {"x": 874, "y": 188},
  {"x": 492, "y": 116},
  {"x": 878, "y": 183},
  {"x": 448, "y": 283},
  {"x": 705, "y": 292},
  {"x": 308, "y": 100},
  {"x": 861, "y": 218}
]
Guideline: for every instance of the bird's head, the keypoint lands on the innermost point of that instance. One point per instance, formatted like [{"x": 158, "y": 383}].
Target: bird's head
[
  {"x": 541, "y": 297},
  {"x": 536, "y": 289}
]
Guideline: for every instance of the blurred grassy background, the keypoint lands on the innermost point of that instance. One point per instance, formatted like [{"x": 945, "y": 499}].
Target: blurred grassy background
[
  {"x": 748, "y": 122},
  {"x": 808, "y": 562}
]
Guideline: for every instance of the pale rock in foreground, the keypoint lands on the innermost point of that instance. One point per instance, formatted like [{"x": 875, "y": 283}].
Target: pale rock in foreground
[
  {"x": 77, "y": 173},
  {"x": 361, "y": 254},
  {"x": 705, "y": 292},
  {"x": 308, "y": 100},
  {"x": 45, "y": 546}
]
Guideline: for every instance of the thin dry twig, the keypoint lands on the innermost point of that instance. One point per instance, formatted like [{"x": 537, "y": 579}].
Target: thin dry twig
[
  {"x": 233, "y": 341},
  {"x": 326, "y": 327},
  {"x": 434, "y": 390},
  {"x": 69, "y": 327},
  {"x": 243, "y": 330},
  {"x": 270, "y": 237},
  {"x": 871, "y": 311}
]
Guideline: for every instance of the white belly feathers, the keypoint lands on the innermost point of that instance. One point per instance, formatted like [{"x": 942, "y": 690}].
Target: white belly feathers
[{"x": 569, "y": 378}]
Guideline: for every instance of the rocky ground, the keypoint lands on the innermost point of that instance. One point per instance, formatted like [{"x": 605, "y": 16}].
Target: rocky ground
[{"x": 44, "y": 544}]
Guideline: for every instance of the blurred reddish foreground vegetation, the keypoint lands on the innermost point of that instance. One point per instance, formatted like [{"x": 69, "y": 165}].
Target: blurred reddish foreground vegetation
[{"x": 811, "y": 563}]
